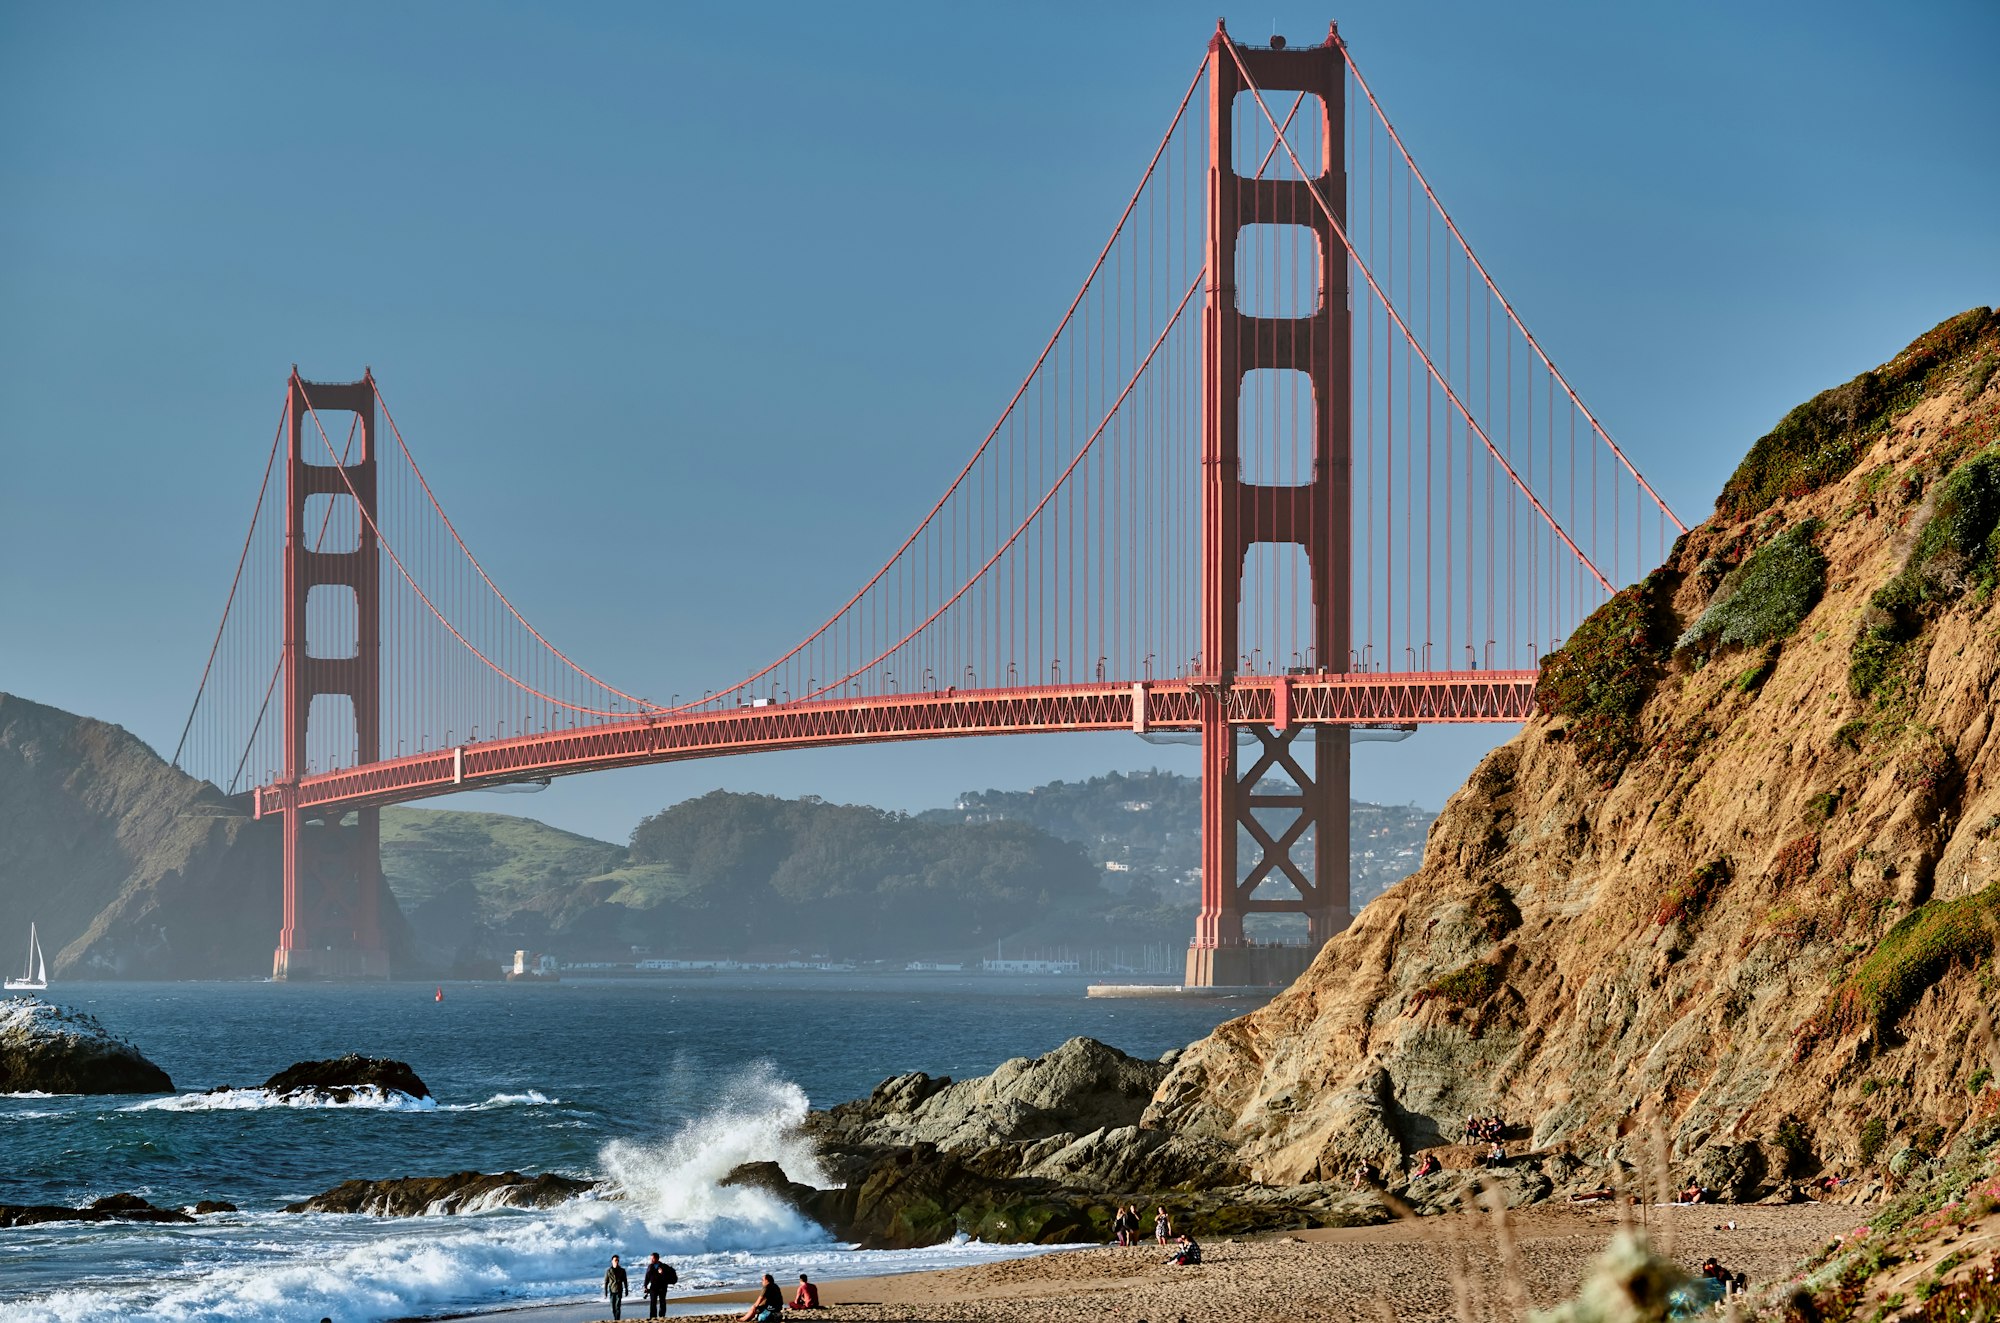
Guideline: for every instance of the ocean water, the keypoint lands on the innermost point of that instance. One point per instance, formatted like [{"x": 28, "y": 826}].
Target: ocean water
[{"x": 660, "y": 1086}]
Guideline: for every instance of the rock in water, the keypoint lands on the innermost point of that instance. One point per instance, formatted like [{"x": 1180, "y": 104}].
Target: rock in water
[
  {"x": 437, "y": 1196},
  {"x": 339, "y": 1079},
  {"x": 111, "y": 1208},
  {"x": 46, "y": 1049}
]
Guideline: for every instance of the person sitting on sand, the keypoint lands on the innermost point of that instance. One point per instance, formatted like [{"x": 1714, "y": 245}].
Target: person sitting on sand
[
  {"x": 1694, "y": 1194},
  {"x": 1188, "y": 1252},
  {"x": 808, "y": 1296},
  {"x": 768, "y": 1307}
]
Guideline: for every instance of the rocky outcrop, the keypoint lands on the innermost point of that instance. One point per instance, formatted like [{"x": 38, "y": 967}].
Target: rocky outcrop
[
  {"x": 1730, "y": 896},
  {"x": 45, "y": 1049},
  {"x": 111, "y": 1208},
  {"x": 437, "y": 1196},
  {"x": 338, "y": 1079},
  {"x": 1043, "y": 1150}
]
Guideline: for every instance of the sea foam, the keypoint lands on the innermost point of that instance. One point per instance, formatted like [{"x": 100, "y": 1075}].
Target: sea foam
[{"x": 667, "y": 1199}]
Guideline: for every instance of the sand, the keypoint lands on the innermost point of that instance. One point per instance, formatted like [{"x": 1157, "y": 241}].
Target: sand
[{"x": 1331, "y": 1275}]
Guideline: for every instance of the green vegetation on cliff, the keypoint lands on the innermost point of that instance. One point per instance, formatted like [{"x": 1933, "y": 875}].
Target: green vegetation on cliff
[
  {"x": 1956, "y": 551},
  {"x": 1764, "y": 599},
  {"x": 1821, "y": 440},
  {"x": 1600, "y": 678}
]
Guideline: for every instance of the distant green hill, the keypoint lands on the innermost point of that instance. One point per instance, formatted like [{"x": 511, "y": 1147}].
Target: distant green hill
[{"x": 1068, "y": 866}]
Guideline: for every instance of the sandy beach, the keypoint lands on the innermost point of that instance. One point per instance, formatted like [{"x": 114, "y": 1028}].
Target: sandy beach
[{"x": 1331, "y": 1275}]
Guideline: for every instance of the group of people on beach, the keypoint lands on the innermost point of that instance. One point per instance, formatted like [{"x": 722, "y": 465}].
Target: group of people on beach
[
  {"x": 658, "y": 1277},
  {"x": 1490, "y": 1129},
  {"x": 1125, "y": 1231},
  {"x": 1125, "y": 1225},
  {"x": 767, "y": 1307}
]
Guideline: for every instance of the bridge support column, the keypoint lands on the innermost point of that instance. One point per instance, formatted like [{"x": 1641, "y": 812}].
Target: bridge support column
[
  {"x": 332, "y": 860},
  {"x": 1315, "y": 516}
]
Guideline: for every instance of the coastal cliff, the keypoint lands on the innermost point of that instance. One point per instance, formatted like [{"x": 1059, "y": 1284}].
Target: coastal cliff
[
  {"x": 130, "y": 867},
  {"x": 1732, "y": 886}
]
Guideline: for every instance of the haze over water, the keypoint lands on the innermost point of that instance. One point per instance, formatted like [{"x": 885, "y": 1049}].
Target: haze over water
[{"x": 662, "y": 1086}]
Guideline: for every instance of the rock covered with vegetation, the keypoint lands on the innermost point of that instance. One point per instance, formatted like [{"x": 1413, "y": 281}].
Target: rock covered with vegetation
[
  {"x": 47, "y": 1049},
  {"x": 1736, "y": 885}
]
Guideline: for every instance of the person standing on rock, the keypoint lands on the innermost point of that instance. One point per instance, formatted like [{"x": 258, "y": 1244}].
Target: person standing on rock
[
  {"x": 659, "y": 1276},
  {"x": 616, "y": 1284}
]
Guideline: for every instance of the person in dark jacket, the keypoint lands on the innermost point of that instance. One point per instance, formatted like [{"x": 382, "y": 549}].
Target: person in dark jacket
[
  {"x": 658, "y": 1278},
  {"x": 615, "y": 1286}
]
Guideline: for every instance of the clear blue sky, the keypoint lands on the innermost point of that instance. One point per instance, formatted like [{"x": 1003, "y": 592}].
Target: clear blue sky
[{"x": 690, "y": 309}]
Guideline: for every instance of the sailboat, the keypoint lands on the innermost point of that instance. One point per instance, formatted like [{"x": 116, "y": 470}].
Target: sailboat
[{"x": 34, "y": 974}]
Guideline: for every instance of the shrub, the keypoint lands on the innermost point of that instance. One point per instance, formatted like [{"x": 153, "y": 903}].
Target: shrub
[
  {"x": 1958, "y": 548},
  {"x": 1468, "y": 985},
  {"x": 1767, "y": 596},
  {"x": 1978, "y": 1080},
  {"x": 1910, "y": 957},
  {"x": 1850, "y": 733},
  {"x": 1602, "y": 675},
  {"x": 1876, "y": 660},
  {"x": 1689, "y": 897},
  {"x": 1758, "y": 672},
  {"x": 1820, "y": 441},
  {"x": 1821, "y": 806},
  {"x": 1975, "y": 380},
  {"x": 1496, "y": 912},
  {"x": 1791, "y": 1137},
  {"x": 1873, "y": 1136}
]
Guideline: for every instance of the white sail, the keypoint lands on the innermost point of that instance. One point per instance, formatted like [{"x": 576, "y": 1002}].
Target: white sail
[{"x": 35, "y": 973}]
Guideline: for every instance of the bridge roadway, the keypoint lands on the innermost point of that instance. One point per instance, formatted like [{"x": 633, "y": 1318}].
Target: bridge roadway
[{"x": 1141, "y": 706}]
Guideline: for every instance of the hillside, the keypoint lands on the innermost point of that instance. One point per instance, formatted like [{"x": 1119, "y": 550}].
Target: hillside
[
  {"x": 131, "y": 868},
  {"x": 1144, "y": 829},
  {"x": 1103, "y": 864},
  {"x": 1734, "y": 884}
]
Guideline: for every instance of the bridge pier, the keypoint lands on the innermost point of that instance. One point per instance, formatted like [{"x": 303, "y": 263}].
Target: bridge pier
[
  {"x": 332, "y": 867},
  {"x": 1315, "y": 516}
]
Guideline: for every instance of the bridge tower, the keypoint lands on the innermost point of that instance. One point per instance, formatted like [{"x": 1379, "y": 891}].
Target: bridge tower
[
  {"x": 332, "y": 859},
  {"x": 1315, "y": 516}
]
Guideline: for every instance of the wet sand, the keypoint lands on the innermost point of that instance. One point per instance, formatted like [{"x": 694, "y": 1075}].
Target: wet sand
[{"x": 1320, "y": 1275}]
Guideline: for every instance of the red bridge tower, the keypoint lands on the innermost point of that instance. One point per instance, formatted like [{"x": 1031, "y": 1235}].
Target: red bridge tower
[
  {"x": 332, "y": 858},
  {"x": 1315, "y": 516}
]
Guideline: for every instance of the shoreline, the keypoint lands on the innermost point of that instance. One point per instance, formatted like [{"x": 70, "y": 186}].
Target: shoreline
[{"x": 1416, "y": 1267}]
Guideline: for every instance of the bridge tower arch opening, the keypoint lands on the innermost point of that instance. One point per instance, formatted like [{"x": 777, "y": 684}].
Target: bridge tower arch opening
[
  {"x": 332, "y": 857},
  {"x": 1313, "y": 337}
]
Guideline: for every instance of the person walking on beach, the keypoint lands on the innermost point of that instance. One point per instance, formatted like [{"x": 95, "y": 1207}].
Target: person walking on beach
[
  {"x": 659, "y": 1276},
  {"x": 768, "y": 1307},
  {"x": 1163, "y": 1226},
  {"x": 615, "y": 1286}
]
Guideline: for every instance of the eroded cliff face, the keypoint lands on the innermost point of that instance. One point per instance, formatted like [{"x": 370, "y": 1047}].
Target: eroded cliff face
[
  {"x": 129, "y": 867},
  {"x": 1734, "y": 884}
]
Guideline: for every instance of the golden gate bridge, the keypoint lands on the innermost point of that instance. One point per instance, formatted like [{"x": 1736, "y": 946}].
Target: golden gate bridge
[{"x": 1289, "y": 464}]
